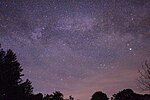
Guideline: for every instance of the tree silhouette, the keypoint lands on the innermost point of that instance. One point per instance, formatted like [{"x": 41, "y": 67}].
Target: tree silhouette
[
  {"x": 71, "y": 98},
  {"x": 126, "y": 94},
  {"x": 55, "y": 96},
  {"x": 99, "y": 96},
  {"x": 144, "y": 77},
  {"x": 12, "y": 86},
  {"x": 38, "y": 96},
  {"x": 26, "y": 88}
]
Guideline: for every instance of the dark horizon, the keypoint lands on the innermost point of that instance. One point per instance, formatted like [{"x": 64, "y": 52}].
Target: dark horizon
[{"x": 71, "y": 45}]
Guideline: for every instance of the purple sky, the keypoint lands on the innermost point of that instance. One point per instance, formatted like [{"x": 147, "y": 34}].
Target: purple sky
[{"x": 78, "y": 47}]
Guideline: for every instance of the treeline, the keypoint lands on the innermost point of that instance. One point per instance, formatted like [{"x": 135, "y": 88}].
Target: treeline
[{"x": 12, "y": 87}]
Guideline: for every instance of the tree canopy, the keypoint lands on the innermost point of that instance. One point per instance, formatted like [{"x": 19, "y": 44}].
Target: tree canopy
[
  {"x": 99, "y": 96},
  {"x": 12, "y": 86}
]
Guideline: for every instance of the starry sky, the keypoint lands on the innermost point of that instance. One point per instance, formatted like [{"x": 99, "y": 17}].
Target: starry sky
[{"x": 78, "y": 46}]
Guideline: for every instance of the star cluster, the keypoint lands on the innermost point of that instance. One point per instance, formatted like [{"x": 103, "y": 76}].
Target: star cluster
[{"x": 78, "y": 46}]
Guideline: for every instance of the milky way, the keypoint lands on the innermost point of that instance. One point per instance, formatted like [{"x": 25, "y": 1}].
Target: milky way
[{"x": 78, "y": 46}]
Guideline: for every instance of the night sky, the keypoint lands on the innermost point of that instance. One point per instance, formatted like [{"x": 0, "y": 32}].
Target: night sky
[{"x": 78, "y": 46}]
